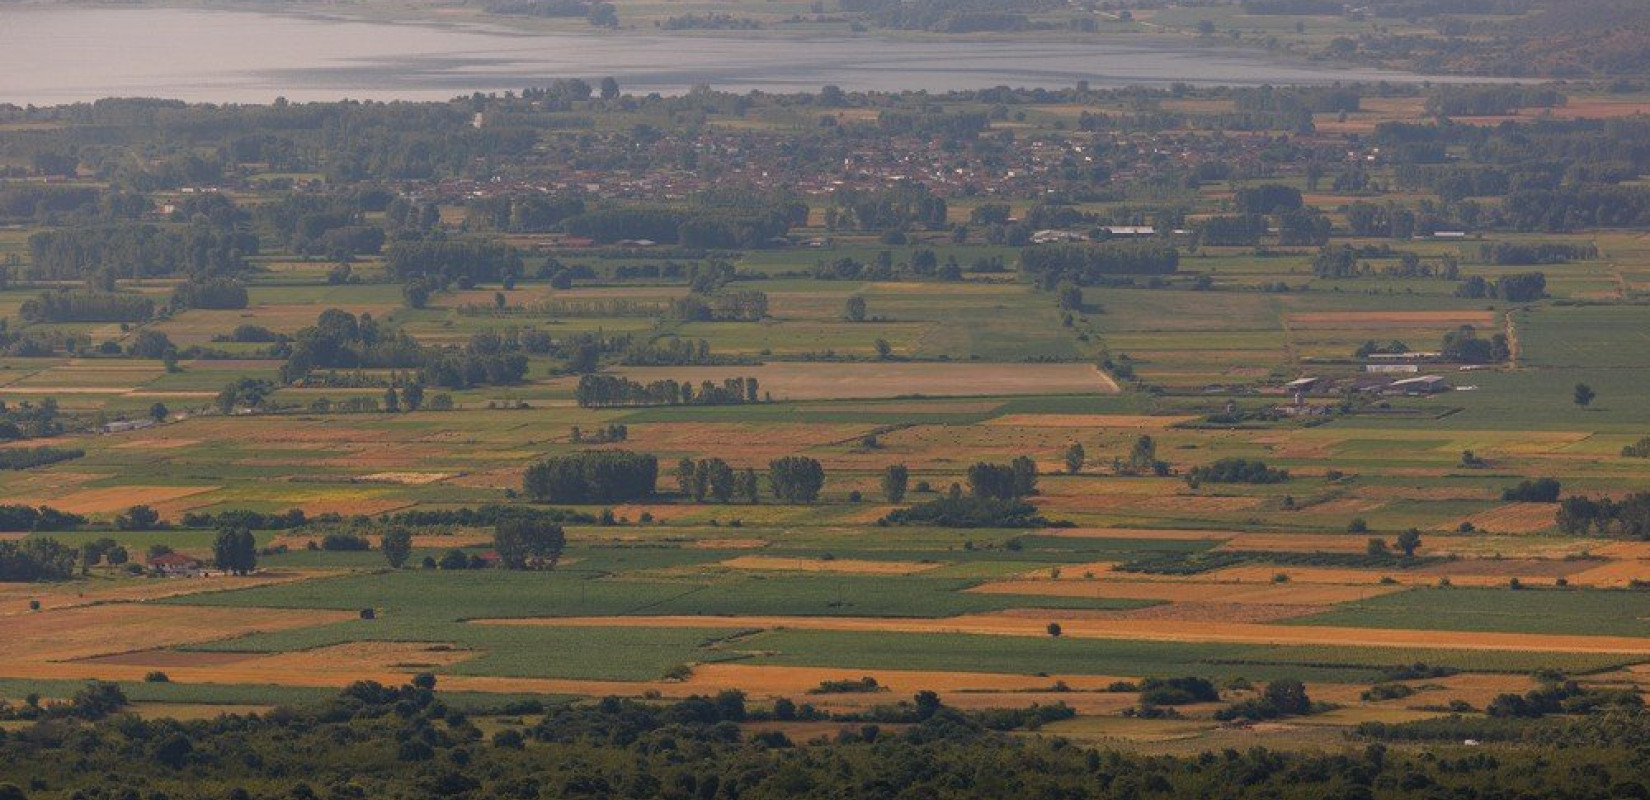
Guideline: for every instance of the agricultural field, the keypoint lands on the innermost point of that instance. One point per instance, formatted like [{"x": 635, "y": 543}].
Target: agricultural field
[{"x": 1040, "y": 481}]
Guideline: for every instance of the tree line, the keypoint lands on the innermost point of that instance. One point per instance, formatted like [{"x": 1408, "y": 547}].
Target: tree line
[
  {"x": 593, "y": 476},
  {"x": 138, "y": 251},
  {"x": 405, "y": 740},
  {"x": 612, "y": 391},
  {"x": 66, "y": 305},
  {"x": 1628, "y": 517},
  {"x": 339, "y": 339}
]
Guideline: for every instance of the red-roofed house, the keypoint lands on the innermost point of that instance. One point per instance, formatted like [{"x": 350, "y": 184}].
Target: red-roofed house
[{"x": 175, "y": 564}]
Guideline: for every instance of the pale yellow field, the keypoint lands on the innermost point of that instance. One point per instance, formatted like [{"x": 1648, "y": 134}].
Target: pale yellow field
[
  {"x": 14, "y": 597},
  {"x": 1511, "y": 518},
  {"x": 88, "y": 631},
  {"x": 120, "y": 498}
]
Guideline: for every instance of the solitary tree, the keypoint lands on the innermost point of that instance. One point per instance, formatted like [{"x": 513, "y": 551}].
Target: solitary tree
[
  {"x": 1143, "y": 456},
  {"x": 1376, "y": 547},
  {"x": 397, "y": 546},
  {"x": 1409, "y": 541},
  {"x": 603, "y": 15},
  {"x": 1075, "y": 458},
  {"x": 885, "y": 350},
  {"x": 1288, "y": 696},
  {"x": 159, "y": 412},
  {"x": 854, "y": 309},
  {"x": 1070, "y": 297},
  {"x": 894, "y": 480},
  {"x": 1584, "y": 395},
  {"x": 1054, "y": 629}
]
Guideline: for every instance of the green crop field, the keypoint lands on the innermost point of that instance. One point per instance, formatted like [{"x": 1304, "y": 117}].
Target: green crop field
[{"x": 1597, "y": 613}]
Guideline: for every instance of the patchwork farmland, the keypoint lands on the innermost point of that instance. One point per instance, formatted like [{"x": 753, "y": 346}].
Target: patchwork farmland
[{"x": 852, "y": 461}]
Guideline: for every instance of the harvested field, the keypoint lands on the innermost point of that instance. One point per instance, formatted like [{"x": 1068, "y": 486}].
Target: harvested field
[
  {"x": 406, "y": 478},
  {"x": 1507, "y": 568},
  {"x": 1156, "y": 503},
  {"x": 119, "y": 498},
  {"x": 1188, "y": 591},
  {"x": 970, "y": 689},
  {"x": 840, "y": 565},
  {"x": 1622, "y": 550},
  {"x": 1511, "y": 518},
  {"x": 89, "y": 631},
  {"x": 1069, "y": 571},
  {"x": 1614, "y": 574},
  {"x": 14, "y": 597},
  {"x": 1477, "y": 689},
  {"x": 803, "y": 381},
  {"x": 1007, "y": 624},
  {"x": 172, "y": 659}
]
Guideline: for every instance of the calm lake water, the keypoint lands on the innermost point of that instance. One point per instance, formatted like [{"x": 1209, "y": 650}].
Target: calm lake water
[{"x": 59, "y": 55}]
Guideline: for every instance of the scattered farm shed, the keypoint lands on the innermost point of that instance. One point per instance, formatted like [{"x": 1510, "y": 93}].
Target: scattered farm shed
[{"x": 1425, "y": 384}]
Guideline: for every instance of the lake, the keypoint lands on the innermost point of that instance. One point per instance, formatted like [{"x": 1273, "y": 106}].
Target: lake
[{"x": 54, "y": 55}]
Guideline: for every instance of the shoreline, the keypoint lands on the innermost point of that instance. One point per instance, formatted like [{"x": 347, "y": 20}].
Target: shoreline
[{"x": 442, "y": 59}]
